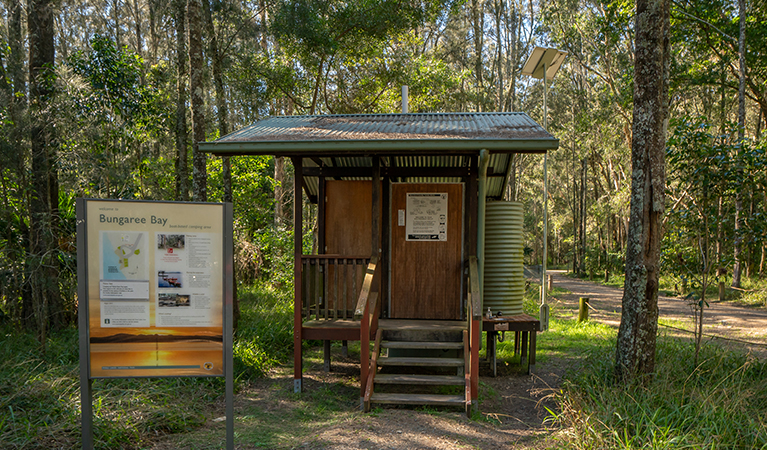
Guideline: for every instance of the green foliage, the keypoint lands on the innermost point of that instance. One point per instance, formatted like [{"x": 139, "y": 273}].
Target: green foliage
[
  {"x": 265, "y": 331},
  {"x": 351, "y": 57},
  {"x": 39, "y": 391},
  {"x": 110, "y": 110},
  {"x": 720, "y": 403},
  {"x": 705, "y": 167}
]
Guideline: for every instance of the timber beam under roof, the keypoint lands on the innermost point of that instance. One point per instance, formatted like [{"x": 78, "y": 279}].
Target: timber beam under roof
[{"x": 392, "y": 172}]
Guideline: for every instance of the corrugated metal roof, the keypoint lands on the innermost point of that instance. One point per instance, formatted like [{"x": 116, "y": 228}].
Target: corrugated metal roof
[
  {"x": 410, "y": 141},
  {"x": 387, "y": 134}
]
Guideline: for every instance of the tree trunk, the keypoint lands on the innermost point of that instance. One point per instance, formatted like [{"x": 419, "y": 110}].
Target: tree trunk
[
  {"x": 18, "y": 110},
  {"x": 115, "y": 9},
  {"x": 478, "y": 23},
  {"x": 46, "y": 298},
  {"x": 221, "y": 106},
  {"x": 196, "y": 86},
  {"x": 635, "y": 350},
  {"x": 720, "y": 272},
  {"x": 153, "y": 38},
  {"x": 499, "y": 8},
  {"x": 582, "y": 230},
  {"x": 137, "y": 15},
  {"x": 182, "y": 164},
  {"x": 738, "y": 241},
  {"x": 279, "y": 191}
]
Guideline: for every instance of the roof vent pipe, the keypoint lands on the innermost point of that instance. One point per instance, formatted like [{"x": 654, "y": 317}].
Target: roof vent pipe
[{"x": 404, "y": 100}]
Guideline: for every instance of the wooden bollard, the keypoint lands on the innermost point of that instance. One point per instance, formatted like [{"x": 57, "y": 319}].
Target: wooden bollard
[
  {"x": 583, "y": 309},
  {"x": 549, "y": 282}
]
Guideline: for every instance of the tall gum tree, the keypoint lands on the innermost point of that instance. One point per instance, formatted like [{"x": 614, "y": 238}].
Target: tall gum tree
[
  {"x": 46, "y": 298},
  {"x": 635, "y": 351},
  {"x": 196, "y": 86}
]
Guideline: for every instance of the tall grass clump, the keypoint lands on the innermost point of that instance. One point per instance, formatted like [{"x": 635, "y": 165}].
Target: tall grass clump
[
  {"x": 40, "y": 385},
  {"x": 265, "y": 331},
  {"x": 719, "y": 404}
]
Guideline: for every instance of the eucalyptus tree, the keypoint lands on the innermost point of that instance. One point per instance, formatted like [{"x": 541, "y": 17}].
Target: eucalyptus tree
[
  {"x": 635, "y": 350},
  {"x": 47, "y": 302}
]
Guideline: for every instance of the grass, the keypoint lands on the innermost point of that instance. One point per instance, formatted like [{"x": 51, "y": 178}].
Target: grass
[
  {"x": 40, "y": 391},
  {"x": 721, "y": 403}
]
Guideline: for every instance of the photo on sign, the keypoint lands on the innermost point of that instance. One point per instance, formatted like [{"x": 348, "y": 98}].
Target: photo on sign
[
  {"x": 169, "y": 279},
  {"x": 173, "y": 301},
  {"x": 168, "y": 241}
]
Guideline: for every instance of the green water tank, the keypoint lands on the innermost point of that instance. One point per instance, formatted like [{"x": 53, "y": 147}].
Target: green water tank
[{"x": 504, "y": 281}]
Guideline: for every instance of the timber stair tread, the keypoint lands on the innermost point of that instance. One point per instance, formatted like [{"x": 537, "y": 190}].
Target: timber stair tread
[
  {"x": 423, "y": 345},
  {"x": 418, "y": 399},
  {"x": 420, "y": 362},
  {"x": 421, "y": 380}
]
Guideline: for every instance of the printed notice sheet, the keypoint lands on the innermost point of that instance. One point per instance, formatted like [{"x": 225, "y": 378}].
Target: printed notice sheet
[{"x": 426, "y": 216}]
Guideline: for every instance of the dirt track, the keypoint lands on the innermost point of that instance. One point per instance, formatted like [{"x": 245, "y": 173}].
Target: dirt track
[{"x": 720, "y": 319}]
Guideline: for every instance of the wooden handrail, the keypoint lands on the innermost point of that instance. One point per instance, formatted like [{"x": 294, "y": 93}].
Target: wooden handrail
[
  {"x": 366, "y": 313},
  {"x": 475, "y": 334},
  {"x": 372, "y": 373},
  {"x": 474, "y": 293},
  {"x": 467, "y": 372},
  {"x": 367, "y": 287}
]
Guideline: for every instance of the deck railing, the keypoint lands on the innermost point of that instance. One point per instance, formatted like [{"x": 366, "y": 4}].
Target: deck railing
[{"x": 331, "y": 285}]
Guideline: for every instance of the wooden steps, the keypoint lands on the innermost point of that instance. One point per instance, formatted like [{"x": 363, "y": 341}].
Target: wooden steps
[
  {"x": 418, "y": 399},
  {"x": 419, "y": 364},
  {"x": 423, "y": 345},
  {"x": 421, "y": 380}
]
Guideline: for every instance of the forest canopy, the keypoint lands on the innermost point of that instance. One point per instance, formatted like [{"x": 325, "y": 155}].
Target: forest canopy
[{"x": 108, "y": 98}]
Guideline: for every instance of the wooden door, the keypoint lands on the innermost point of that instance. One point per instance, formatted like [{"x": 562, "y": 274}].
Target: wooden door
[
  {"x": 348, "y": 233},
  {"x": 426, "y": 267}
]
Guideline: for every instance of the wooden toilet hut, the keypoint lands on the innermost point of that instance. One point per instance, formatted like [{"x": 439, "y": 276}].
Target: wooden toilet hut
[{"x": 401, "y": 201}]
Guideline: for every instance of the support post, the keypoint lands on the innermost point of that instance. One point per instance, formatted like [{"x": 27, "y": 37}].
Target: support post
[
  {"x": 364, "y": 353},
  {"x": 376, "y": 205},
  {"x": 326, "y": 354},
  {"x": 544, "y": 310},
  {"x": 229, "y": 322},
  {"x": 583, "y": 309},
  {"x": 86, "y": 384},
  {"x": 484, "y": 161},
  {"x": 297, "y": 252}
]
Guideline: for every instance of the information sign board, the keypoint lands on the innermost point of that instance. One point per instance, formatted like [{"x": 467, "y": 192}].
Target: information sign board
[{"x": 155, "y": 288}]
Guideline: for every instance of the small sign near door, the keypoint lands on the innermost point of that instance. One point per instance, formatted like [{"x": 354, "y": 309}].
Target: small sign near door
[{"x": 426, "y": 216}]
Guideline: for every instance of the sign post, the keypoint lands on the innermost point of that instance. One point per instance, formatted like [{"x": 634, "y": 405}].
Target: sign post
[{"x": 155, "y": 291}]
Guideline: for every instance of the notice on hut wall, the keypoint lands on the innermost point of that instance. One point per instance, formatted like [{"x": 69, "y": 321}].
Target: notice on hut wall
[
  {"x": 155, "y": 288},
  {"x": 426, "y": 216}
]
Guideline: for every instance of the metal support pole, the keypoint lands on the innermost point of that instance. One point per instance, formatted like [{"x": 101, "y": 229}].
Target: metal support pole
[
  {"x": 229, "y": 322},
  {"x": 544, "y": 313},
  {"x": 86, "y": 384}
]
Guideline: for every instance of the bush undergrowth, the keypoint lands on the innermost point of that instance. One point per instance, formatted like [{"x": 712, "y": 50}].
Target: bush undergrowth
[
  {"x": 721, "y": 403},
  {"x": 40, "y": 390}
]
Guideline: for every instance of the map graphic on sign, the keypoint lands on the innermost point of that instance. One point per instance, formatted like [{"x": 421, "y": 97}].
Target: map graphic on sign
[{"x": 124, "y": 255}]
